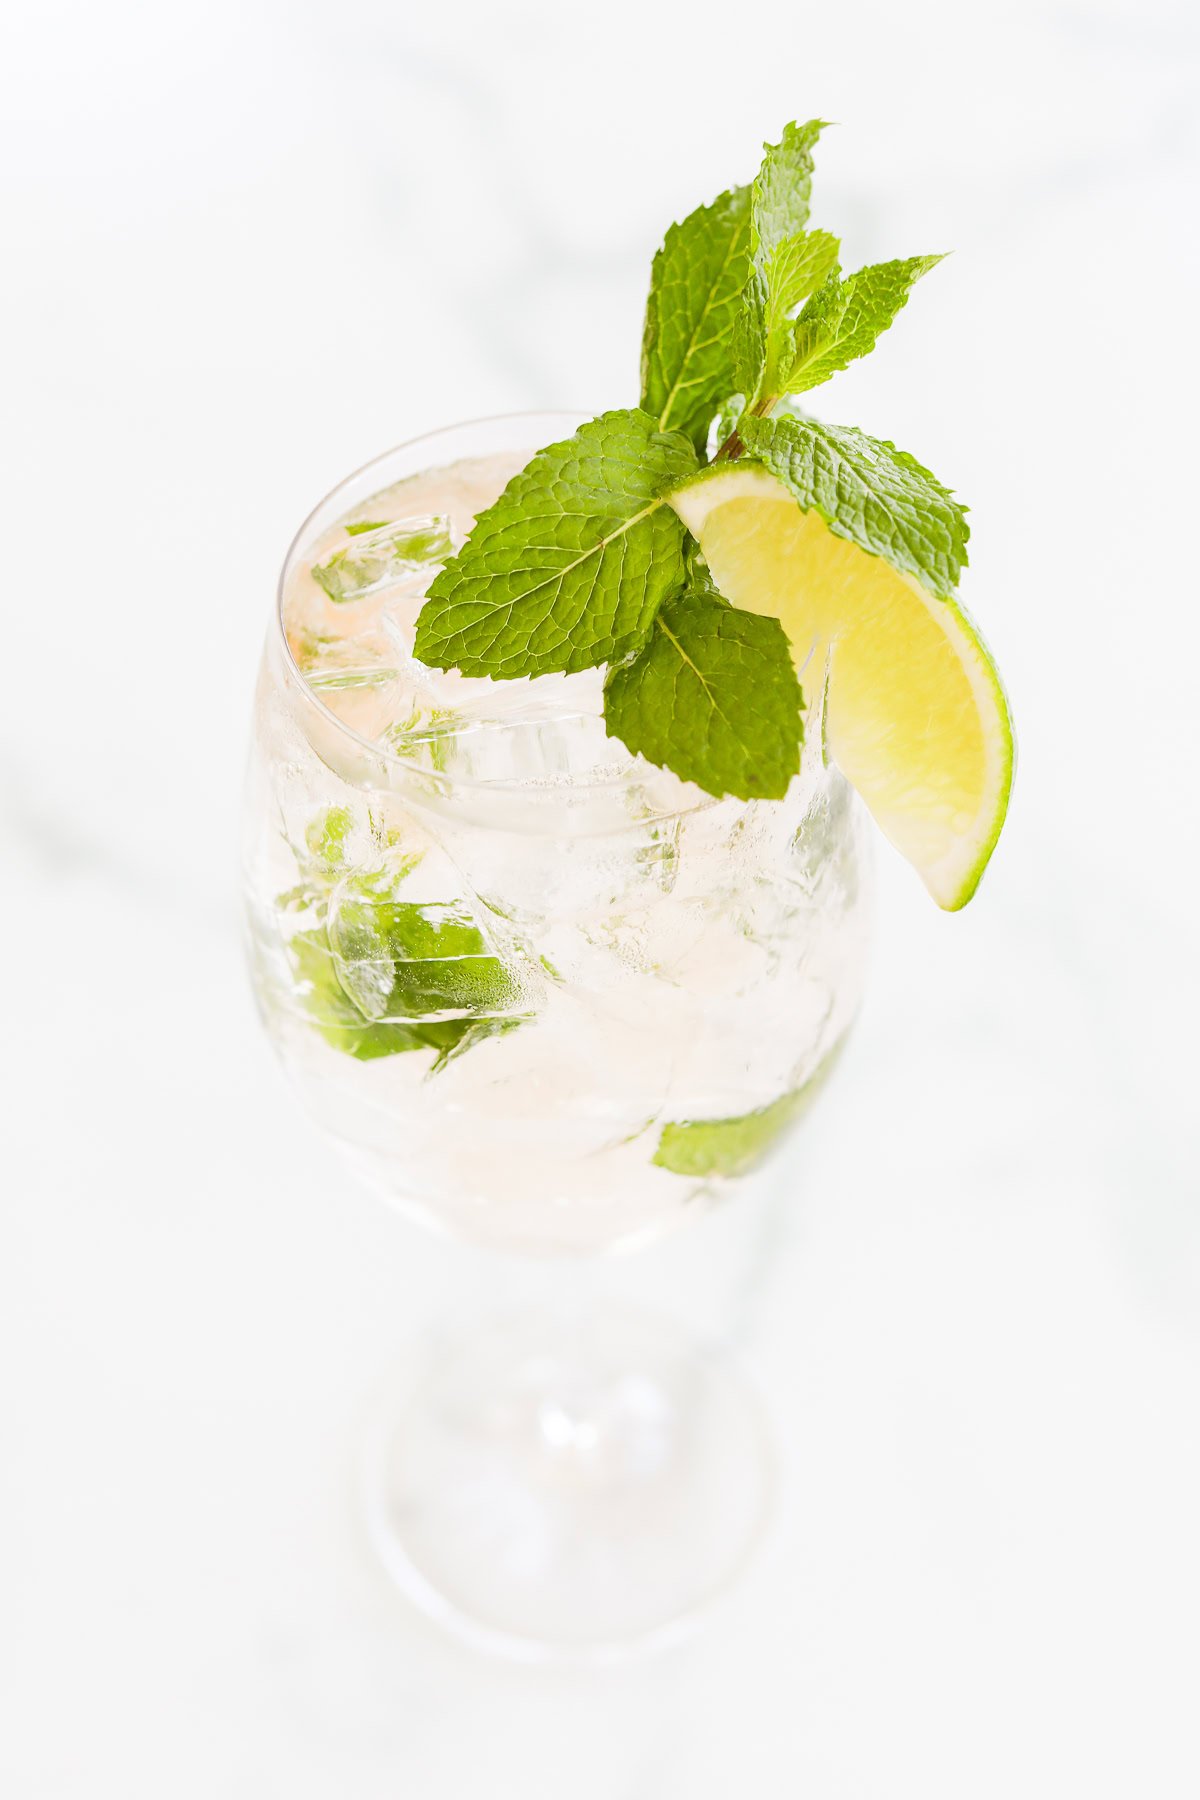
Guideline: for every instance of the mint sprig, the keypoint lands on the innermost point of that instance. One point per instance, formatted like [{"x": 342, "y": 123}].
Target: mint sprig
[{"x": 582, "y": 561}]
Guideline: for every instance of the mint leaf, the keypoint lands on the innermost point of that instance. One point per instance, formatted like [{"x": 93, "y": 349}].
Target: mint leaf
[
  {"x": 569, "y": 566},
  {"x": 400, "y": 960},
  {"x": 712, "y": 696},
  {"x": 783, "y": 187},
  {"x": 695, "y": 295},
  {"x": 345, "y": 1027},
  {"x": 380, "y": 977},
  {"x": 706, "y": 1147},
  {"x": 793, "y": 270},
  {"x": 779, "y": 202},
  {"x": 844, "y": 319},
  {"x": 869, "y": 493},
  {"x": 383, "y": 554},
  {"x": 325, "y": 838},
  {"x": 356, "y": 530}
]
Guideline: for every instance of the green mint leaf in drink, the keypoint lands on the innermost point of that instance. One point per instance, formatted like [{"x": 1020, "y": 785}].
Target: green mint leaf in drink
[
  {"x": 692, "y": 312},
  {"x": 568, "y": 568},
  {"x": 713, "y": 696},
  {"x": 378, "y": 975},
  {"x": 868, "y": 492},
  {"x": 325, "y": 840},
  {"x": 844, "y": 319},
  {"x": 399, "y": 959},
  {"x": 345, "y": 1027},
  {"x": 380, "y": 555}
]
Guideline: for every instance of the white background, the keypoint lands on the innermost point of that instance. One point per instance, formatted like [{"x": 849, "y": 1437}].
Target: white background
[{"x": 247, "y": 246}]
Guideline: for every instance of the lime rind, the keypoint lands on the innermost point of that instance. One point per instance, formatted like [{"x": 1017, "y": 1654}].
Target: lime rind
[
  {"x": 952, "y": 895},
  {"x": 953, "y": 878}
]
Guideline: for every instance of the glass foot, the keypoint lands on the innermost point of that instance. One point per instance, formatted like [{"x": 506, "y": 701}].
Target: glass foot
[{"x": 578, "y": 1489}]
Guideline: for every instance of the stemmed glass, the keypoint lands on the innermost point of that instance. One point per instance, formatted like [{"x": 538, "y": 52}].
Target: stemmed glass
[{"x": 551, "y": 1000}]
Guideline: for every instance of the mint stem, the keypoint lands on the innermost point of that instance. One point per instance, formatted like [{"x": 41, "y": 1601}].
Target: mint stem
[{"x": 733, "y": 447}]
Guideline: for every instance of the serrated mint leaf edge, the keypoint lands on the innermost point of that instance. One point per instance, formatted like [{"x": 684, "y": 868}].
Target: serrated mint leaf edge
[
  {"x": 680, "y": 759},
  {"x": 772, "y": 222},
  {"x": 789, "y": 163},
  {"x": 732, "y": 206},
  {"x": 781, "y": 297},
  {"x": 435, "y": 650},
  {"x": 763, "y": 438},
  {"x": 831, "y": 356}
]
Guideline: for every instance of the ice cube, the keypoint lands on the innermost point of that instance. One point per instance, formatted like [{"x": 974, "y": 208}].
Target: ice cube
[
  {"x": 400, "y": 959},
  {"x": 345, "y": 667},
  {"x": 379, "y": 554},
  {"x": 402, "y": 953},
  {"x": 357, "y": 676},
  {"x": 547, "y": 731},
  {"x": 346, "y": 656}
]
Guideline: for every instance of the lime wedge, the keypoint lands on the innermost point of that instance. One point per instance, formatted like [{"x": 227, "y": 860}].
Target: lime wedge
[{"x": 915, "y": 715}]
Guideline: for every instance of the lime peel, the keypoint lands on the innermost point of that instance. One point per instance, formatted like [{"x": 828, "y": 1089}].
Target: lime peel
[{"x": 916, "y": 716}]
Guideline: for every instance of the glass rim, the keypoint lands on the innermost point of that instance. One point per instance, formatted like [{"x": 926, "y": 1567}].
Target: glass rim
[{"x": 371, "y": 746}]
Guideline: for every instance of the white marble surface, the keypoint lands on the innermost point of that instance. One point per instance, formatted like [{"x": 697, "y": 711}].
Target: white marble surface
[{"x": 248, "y": 246}]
